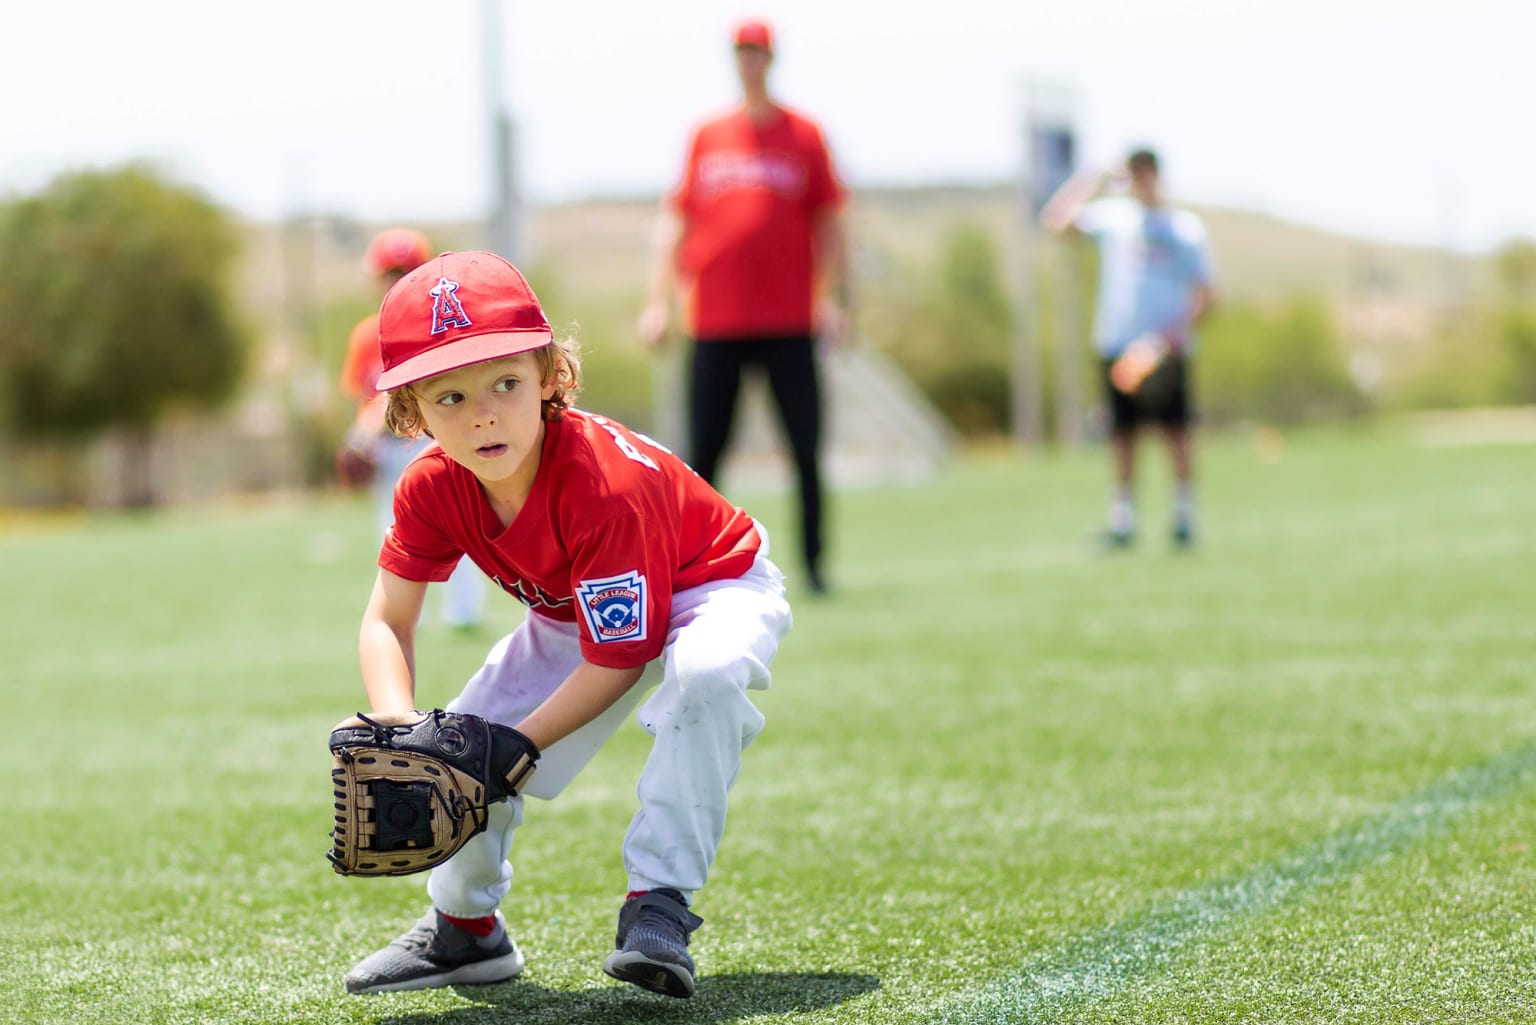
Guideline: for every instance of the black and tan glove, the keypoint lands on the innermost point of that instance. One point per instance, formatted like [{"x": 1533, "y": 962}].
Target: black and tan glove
[{"x": 412, "y": 788}]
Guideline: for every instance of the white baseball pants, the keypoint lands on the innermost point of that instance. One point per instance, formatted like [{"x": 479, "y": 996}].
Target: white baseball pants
[{"x": 721, "y": 639}]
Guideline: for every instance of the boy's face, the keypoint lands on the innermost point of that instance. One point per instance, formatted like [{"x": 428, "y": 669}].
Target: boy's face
[
  {"x": 488, "y": 417},
  {"x": 1144, "y": 183}
]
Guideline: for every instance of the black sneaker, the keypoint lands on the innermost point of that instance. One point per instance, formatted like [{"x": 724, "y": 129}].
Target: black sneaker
[
  {"x": 1183, "y": 535},
  {"x": 652, "y": 945},
  {"x": 817, "y": 583},
  {"x": 437, "y": 953},
  {"x": 1108, "y": 540}
]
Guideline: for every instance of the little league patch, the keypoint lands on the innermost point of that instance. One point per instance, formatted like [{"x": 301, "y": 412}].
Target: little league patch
[{"x": 614, "y": 607}]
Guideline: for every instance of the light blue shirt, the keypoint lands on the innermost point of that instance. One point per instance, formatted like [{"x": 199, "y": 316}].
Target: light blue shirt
[{"x": 1151, "y": 259}]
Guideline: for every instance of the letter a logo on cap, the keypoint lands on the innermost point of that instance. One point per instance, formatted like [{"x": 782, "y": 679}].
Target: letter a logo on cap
[{"x": 447, "y": 311}]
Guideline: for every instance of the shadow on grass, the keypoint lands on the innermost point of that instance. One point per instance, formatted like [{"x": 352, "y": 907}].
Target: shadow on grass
[{"x": 720, "y": 998}]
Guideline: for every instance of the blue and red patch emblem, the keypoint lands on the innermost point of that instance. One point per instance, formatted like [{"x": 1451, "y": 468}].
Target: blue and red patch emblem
[{"x": 614, "y": 607}]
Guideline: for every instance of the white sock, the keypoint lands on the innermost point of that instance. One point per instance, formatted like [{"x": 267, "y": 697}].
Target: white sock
[
  {"x": 1122, "y": 512},
  {"x": 1183, "y": 504}
]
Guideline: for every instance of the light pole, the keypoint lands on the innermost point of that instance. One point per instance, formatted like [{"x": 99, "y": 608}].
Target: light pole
[
  {"x": 1050, "y": 156},
  {"x": 504, "y": 224}
]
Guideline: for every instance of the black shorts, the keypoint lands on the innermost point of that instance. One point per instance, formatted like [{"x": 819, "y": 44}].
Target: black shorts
[{"x": 1164, "y": 398}]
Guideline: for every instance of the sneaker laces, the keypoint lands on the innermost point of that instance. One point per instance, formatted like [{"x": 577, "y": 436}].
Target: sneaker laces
[
  {"x": 659, "y": 919},
  {"x": 659, "y": 913},
  {"x": 419, "y": 938}
]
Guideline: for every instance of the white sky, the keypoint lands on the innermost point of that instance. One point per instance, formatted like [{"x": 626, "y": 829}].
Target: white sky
[{"x": 1405, "y": 120}]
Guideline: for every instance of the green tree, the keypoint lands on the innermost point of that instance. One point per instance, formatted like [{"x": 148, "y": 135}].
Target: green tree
[
  {"x": 1515, "y": 263},
  {"x": 1516, "y": 332},
  {"x": 951, "y": 332},
  {"x": 1282, "y": 366},
  {"x": 115, "y": 306},
  {"x": 1515, "y": 321},
  {"x": 1486, "y": 354}
]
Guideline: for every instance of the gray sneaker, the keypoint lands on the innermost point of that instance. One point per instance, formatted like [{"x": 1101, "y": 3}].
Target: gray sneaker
[
  {"x": 437, "y": 953},
  {"x": 652, "y": 945}
]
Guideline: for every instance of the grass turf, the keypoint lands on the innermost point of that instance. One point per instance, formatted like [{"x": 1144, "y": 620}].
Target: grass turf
[{"x": 1284, "y": 778}]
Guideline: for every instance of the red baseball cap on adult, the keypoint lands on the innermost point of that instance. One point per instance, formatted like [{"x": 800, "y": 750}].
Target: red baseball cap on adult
[
  {"x": 454, "y": 310},
  {"x": 754, "y": 32}
]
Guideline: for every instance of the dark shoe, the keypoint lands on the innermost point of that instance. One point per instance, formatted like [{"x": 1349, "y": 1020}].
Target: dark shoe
[
  {"x": 437, "y": 953},
  {"x": 817, "y": 583},
  {"x": 1115, "y": 540},
  {"x": 651, "y": 950},
  {"x": 1183, "y": 535}
]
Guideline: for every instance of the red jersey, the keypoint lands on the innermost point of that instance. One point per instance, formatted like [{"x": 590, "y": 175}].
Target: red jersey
[
  {"x": 360, "y": 372},
  {"x": 614, "y": 525},
  {"x": 362, "y": 365},
  {"x": 749, "y": 200}
]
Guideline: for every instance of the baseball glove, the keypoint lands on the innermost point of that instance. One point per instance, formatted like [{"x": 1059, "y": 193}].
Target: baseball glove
[
  {"x": 412, "y": 788},
  {"x": 355, "y": 469},
  {"x": 1147, "y": 371},
  {"x": 1140, "y": 360}
]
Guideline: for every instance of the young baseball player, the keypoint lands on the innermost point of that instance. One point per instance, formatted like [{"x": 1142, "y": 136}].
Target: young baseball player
[{"x": 642, "y": 585}]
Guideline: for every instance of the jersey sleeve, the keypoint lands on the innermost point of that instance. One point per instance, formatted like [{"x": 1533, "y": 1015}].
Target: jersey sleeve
[
  {"x": 622, "y": 571},
  {"x": 680, "y": 199},
  {"x": 1199, "y": 252},
  {"x": 824, "y": 189},
  {"x": 416, "y": 546},
  {"x": 360, "y": 367},
  {"x": 1092, "y": 217}
]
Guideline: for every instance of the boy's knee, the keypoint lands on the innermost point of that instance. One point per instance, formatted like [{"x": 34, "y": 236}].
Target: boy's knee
[
  {"x": 705, "y": 681},
  {"x": 702, "y": 670},
  {"x": 700, "y": 685}
]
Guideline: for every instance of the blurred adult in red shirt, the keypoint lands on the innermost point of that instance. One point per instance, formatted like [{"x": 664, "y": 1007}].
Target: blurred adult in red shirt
[{"x": 753, "y": 238}]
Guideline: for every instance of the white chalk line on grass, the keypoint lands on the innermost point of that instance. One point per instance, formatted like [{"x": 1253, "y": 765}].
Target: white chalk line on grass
[{"x": 1103, "y": 964}]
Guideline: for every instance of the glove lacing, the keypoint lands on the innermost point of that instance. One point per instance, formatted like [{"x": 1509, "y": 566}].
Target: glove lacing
[{"x": 458, "y": 807}]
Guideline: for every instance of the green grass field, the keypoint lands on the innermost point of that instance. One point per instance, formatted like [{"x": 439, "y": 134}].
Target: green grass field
[{"x": 1288, "y": 777}]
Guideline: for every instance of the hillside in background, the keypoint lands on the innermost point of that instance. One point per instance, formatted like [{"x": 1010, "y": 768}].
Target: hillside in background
[
  {"x": 602, "y": 243},
  {"x": 593, "y": 254},
  {"x": 588, "y": 262},
  {"x": 302, "y": 288}
]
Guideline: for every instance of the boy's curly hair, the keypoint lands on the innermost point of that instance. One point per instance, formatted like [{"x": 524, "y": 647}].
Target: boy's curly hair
[{"x": 559, "y": 361}]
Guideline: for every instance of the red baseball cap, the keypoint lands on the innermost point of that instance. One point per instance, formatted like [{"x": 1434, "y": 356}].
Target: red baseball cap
[
  {"x": 754, "y": 33},
  {"x": 454, "y": 310},
  {"x": 400, "y": 249}
]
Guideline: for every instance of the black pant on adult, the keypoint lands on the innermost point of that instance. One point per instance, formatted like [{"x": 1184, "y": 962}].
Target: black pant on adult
[{"x": 714, "y": 386}]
